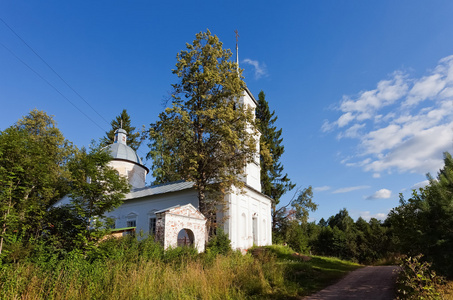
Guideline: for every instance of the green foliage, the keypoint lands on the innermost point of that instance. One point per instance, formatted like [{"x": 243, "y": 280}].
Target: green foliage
[
  {"x": 125, "y": 270},
  {"x": 219, "y": 243},
  {"x": 273, "y": 182},
  {"x": 63, "y": 227},
  {"x": 303, "y": 204},
  {"x": 422, "y": 224},
  {"x": 134, "y": 138},
  {"x": 416, "y": 280},
  {"x": 33, "y": 175},
  {"x": 95, "y": 190},
  {"x": 129, "y": 249},
  {"x": 296, "y": 237},
  {"x": 180, "y": 255},
  {"x": 206, "y": 136},
  {"x": 365, "y": 242},
  {"x": 287, "y": 221}
]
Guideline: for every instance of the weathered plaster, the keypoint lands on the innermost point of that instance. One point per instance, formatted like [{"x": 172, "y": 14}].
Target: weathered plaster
[{"x": 171, "y": 221}]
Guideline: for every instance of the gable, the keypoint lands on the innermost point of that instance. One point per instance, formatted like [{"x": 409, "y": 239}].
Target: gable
[{"x": 187, "y": 210}]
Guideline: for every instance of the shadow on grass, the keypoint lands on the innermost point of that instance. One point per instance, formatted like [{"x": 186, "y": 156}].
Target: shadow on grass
[{"x": 306, "y": 274}]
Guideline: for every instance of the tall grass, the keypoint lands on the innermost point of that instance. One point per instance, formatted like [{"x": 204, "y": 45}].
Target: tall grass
[{"x": 142, "y": 270}]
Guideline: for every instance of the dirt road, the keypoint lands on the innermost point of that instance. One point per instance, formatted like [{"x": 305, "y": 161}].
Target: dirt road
[{"x": 369, "y": 283}]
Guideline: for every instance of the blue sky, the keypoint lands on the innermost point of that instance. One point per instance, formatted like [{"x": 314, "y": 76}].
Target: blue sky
[{"x": 362, "y": 89}]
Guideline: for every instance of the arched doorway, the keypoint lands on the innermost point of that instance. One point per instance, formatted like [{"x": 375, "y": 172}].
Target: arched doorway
[
  {"x": 181, "y": 225},
  {"x": 185, "y": 237}
]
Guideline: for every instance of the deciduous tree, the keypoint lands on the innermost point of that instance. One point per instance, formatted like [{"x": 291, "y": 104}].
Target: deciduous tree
[
  {"x": 95, "y": 190},
  {"x": 294, "y": 214},
  {"x": 206, "y": 135},
  {"x": 33, "y": 173}
]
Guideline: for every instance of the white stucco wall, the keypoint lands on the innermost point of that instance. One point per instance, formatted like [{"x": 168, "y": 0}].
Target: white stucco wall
[
  {"x": 243, "y": 211},
  {"x": 142, "y": 209},
  {"x": 252, "y": 170},
  {"x": 136, "y": 174}
]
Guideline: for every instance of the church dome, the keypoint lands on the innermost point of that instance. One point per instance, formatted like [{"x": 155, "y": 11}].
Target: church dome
[{"x": 120, "y": 150}]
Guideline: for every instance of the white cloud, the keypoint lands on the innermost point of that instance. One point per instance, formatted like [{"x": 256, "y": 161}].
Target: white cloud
[
  {"x": 321, "y": 188},
  {"x": 350, "y": 189},
  {"x": 327, "y": 126},
  {"x": 381, "y": 194},
  {"x": 345, "y": 119},
  {"x": 429, "y": 87},
  {"x": 420, "y": 185},
  {"x": 404, "y": 124},
  {"x": 366, "y": 215},
  {"x": 421, "y": 153},
  {"x": 367, "y": 102},
  {"x": 353, "y": 131},
  {"x": 260, "y": 68}
]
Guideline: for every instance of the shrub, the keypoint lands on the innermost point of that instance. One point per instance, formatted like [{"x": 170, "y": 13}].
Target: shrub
[
  {"x": 180, "y": 255},
  {"x": 416, "y": 280},
  {"x": 219, "y": 243}
]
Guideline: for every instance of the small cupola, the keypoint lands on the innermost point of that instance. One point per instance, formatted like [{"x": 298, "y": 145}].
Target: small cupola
[
  {"x": 120, "y": 136},
  {"x": 126, "y": 161}
]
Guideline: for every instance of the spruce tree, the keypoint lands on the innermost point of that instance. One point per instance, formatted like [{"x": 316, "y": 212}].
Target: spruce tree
[
  {"x": 122, "y": 121},
  {"x": 273, "y": 182}
]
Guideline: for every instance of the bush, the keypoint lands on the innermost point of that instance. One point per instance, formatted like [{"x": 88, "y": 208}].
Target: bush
[
  {"x": 219, "y": 243},
  {"x": 416, "y": 280},
  {"x": 180, "y": 255}
]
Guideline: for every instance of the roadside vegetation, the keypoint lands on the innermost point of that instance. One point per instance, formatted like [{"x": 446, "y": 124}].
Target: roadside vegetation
[
  {"x": 127, "y": 268},
  {"x": 49, "y": 252}
]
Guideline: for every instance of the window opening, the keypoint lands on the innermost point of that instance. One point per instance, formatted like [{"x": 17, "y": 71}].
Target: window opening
[{"x": 152, "y": 226}]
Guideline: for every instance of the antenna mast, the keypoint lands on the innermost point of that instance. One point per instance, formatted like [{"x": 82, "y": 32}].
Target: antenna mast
[{"x": 237, "y": 51}]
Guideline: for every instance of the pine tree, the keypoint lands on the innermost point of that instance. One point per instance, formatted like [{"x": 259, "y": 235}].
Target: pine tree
[
  {"x": 273, "y": 182},
  {"x": 122, "y": 121},
  {"x": 203, "y": 136}
]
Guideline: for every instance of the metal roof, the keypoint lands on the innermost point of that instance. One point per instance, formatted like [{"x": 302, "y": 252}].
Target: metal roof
[
  {"x": 123, "y": 151},
  {"x": 160, "y": 189}
]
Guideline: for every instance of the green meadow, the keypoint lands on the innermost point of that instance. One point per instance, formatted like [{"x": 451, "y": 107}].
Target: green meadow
[{"x": 131, "y": 269}]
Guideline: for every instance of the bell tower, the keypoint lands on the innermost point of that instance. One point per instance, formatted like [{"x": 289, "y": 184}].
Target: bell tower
[{"x": 252, "y": 169}]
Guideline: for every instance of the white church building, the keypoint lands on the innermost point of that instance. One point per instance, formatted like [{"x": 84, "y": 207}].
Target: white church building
[{"x": 170, "y": 211}]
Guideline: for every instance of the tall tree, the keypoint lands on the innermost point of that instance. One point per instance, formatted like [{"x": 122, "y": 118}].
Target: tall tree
[
  {"x": 134, "y": 138},
  {"x": 424, "y": 222},
  {"x": 33, "y": 173},
  {"x": 273, "y": 182},
  {"x": 95, "y": 190},
  {"x": 206, "y": 136}
]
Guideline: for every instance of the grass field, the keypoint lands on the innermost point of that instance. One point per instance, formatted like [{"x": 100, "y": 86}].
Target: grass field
[{"x": 273, "y": 273}]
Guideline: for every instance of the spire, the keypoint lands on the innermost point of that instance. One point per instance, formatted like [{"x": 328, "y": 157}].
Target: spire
[
  {"x": 120, "y": 136},
  {"x": 237, "y": 51}
]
